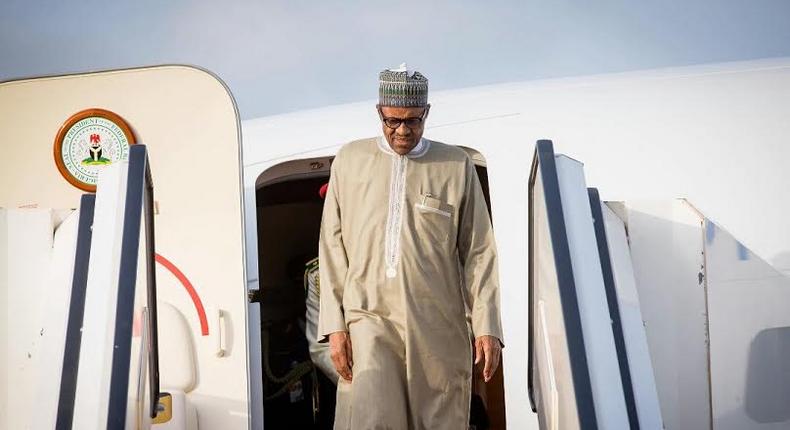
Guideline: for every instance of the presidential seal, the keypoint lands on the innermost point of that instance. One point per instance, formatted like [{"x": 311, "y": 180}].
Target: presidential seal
[{"x": 88, "y": 141}]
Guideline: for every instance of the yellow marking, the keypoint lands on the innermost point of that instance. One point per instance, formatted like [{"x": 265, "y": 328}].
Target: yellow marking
[{"x": 164, "y": 411}]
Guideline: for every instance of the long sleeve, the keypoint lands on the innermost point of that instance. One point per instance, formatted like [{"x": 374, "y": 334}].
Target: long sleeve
[
  {"x": 332, "y": 262},
  {"x": 477, "y": 255},
  {"x": 319, "y": 352}
]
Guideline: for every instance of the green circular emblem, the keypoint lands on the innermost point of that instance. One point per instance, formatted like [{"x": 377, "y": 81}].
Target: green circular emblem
[{"x": 89, "y": 141}]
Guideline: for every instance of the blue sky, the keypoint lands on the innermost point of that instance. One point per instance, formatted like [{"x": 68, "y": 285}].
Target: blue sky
[{"x": 296, "y": 54}]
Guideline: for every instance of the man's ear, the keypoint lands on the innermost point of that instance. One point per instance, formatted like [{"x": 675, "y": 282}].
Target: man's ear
[{"x": 427, "y": 110}]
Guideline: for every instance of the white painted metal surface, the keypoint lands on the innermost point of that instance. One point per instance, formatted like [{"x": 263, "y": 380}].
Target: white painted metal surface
[
  {"x": 109, "y": 318},
  {"x": 666, "y": 252},
  {"x": 607, "y": 391},
  {"x": 37, "y": 251},
  {"x": 555, "y": 394},
  {"x": 30, "y": 244},
  {"x": 55, "y": 302},
  {"x": 640, "y": 364},
  {"x": 749, "y": 336},
  {"x": 101, "y": 295},
  {"x": 177, "y": 364}
]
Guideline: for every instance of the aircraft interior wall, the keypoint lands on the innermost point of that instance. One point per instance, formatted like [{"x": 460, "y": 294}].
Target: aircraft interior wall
[{"x": 289, "y": 210}]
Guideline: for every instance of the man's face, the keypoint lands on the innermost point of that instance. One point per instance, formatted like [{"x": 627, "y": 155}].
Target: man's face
[{"x": 403, "y": 138}]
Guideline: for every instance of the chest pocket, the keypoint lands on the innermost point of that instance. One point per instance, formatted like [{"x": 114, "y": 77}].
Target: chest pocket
[{"x": 435, "y": 218}]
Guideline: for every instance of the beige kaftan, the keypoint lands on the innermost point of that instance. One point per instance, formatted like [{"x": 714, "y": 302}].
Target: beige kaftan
[{"x": 405, "y": 241}]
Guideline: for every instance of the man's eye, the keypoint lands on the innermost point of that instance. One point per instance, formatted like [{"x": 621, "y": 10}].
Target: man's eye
[{"x": 412, "y": 122}]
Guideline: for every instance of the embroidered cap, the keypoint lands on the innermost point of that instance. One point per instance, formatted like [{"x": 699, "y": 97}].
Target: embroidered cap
[{"x": 402, "y": 87}]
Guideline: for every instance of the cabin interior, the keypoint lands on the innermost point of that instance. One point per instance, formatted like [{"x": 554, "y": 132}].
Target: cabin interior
[{"x": 296, "y": 393}]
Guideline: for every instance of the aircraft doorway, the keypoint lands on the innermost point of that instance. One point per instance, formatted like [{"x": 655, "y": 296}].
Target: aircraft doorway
[{"x": 296, "y": 393}]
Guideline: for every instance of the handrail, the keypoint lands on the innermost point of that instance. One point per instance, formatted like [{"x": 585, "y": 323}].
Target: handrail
[
  {"x": 138, "y": 212},
  {"x": 150, "y": 263}
]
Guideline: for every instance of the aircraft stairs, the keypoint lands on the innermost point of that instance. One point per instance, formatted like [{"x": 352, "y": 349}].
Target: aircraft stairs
[{"x": 648, "y": 315}]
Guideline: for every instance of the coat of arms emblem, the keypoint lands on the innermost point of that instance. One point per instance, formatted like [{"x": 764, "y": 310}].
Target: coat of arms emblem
[{"x": 88, "y": 141}]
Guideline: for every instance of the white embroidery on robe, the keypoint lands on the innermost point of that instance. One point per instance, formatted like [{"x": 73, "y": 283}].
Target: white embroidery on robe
[
  {"x": 396, "y": 201},
  {"x": 395, "y": 213}
]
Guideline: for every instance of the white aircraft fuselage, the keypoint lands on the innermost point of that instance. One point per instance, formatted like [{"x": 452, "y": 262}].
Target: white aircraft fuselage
[{"x": 716, "y": 135}]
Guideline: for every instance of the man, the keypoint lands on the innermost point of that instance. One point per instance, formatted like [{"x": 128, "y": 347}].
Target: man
[
  {"x": 320, "y": 353},
  {"x": 406, "y": 246}
]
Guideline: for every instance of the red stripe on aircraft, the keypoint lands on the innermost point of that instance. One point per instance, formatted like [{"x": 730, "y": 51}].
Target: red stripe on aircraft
[{"x": 190, "y": 289}]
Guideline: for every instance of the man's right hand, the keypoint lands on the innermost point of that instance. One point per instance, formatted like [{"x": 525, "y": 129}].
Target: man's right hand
[{"x": 341, "y": 353}]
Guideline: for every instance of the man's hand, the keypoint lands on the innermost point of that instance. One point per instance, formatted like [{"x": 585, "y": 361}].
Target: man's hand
[
  {"x": 487, "y": 347},
  {"x": 340, "y": 351}
]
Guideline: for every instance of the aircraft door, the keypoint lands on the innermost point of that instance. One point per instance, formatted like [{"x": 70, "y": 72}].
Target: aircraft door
[{"x": 193, "y": 136}]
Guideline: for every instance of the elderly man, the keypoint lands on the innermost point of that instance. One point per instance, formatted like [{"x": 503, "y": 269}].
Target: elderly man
[{"x": 406, "y": 248}]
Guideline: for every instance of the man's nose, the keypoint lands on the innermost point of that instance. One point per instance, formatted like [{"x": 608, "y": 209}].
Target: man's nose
[{"x": 403, "y": 130}]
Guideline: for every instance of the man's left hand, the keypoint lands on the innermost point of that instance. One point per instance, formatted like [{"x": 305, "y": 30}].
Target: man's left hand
[{"x": 488, "y": 348}]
